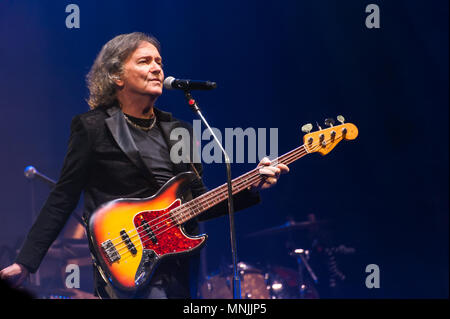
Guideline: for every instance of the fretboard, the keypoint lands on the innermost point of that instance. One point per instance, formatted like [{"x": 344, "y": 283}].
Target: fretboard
[{"x": 219, "y": 194}]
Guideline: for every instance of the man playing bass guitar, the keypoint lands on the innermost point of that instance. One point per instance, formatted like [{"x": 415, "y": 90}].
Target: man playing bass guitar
[{"x": 121, "y": 149}]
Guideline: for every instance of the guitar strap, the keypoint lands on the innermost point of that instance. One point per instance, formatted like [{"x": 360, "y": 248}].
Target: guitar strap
[{"x": 195, "y": 170}]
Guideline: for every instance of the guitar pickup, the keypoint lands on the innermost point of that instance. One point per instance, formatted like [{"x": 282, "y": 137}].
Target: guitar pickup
[
  {"x": 149, "y": 232},
  {"x": 128, "y": 242},
  {"x": 110, "y": 251}
]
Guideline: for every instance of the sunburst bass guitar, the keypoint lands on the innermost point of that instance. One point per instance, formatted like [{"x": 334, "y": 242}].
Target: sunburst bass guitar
[{"x": 131, "y": 236}]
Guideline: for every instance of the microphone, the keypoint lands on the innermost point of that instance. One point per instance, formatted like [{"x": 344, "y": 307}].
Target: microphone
[
  {"x": 31, "y": 172},
  {"x": 171, "y": 83}
]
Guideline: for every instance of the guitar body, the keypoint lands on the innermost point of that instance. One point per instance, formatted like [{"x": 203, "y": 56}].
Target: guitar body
[{"x": 131, "y": 236}]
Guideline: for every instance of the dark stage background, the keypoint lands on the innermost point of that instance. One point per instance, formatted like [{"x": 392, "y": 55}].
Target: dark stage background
[{"x": 278, "y": 64}]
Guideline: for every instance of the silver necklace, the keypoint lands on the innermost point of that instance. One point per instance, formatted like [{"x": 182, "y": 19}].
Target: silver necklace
[{"x": 141, "y": 127}]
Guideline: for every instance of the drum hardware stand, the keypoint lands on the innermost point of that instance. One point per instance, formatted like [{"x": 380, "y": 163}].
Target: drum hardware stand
[
  {"x": 236, "y": 278},
  {"x": 302, "y": 256},
  {"x": 203, "y": 264}
]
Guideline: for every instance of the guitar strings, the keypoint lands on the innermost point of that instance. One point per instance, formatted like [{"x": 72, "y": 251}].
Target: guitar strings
[
  {"x": 200, "y": 199},
  {"x": 207, "y": 197},
  {"x": 160, "y": 230},
  {"x": 253, "y": 178}
]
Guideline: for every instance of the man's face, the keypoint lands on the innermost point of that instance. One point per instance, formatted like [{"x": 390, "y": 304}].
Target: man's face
[{"x": 142, "y": 71}]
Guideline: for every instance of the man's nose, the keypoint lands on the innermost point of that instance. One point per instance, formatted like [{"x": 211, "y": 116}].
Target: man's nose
[{"x": 155, "y": 68}]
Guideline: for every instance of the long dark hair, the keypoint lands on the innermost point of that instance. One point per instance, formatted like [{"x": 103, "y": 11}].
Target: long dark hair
[{"x": 109, "y": 65}]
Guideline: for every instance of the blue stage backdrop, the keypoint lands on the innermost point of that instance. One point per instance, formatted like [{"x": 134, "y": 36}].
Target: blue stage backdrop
[{"x": 278, "y": 64}]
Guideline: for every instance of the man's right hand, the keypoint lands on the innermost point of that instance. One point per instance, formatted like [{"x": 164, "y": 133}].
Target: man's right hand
[{"x": 14, "y": 274}]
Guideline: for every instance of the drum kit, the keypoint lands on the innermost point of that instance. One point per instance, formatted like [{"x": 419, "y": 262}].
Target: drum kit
[
  {"x": 259, "y": 283},
  {"x": 270, "y": 282}
]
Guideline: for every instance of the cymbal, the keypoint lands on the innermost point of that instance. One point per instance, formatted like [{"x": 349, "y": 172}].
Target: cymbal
[
  {"x": 74, "y": 230},
  {"x": 73, "y": 241},
  {"x": 81, "y": 262},
  {"x": 289, "y": 226},
  {"x": 246, "y": 267}
]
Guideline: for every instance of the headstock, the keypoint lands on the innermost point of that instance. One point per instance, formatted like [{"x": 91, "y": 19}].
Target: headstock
[{"x": 324, "y": 140}]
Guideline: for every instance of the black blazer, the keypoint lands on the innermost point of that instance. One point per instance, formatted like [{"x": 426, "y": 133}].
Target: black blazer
[{"x": 103, "y": 161}]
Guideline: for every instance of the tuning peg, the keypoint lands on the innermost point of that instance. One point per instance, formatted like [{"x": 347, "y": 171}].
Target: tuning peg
[
  {"x": 307, "y": 128},
  {"x": 320, "y": 129},
  {"x": 329, "y": 122},
  {"x": 341, "y": 119}
]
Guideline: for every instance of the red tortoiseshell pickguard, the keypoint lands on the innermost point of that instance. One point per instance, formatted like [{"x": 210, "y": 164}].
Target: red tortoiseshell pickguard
[{"x": 169, "y": 238}]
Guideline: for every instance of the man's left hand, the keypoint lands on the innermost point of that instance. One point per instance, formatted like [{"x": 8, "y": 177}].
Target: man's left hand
[{"x": 270, "y": 174}]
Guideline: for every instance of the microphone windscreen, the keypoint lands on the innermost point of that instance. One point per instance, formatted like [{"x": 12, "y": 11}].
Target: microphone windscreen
[
  {"x": 29, "y": 172},
  {"x": 168, "y": 82}
]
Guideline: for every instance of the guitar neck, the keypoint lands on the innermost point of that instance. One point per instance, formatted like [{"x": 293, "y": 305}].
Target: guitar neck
[{"x": 219, "y": 194}]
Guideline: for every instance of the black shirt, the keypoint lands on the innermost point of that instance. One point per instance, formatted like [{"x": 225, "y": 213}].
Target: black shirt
[{"x": 153, "y": 149}]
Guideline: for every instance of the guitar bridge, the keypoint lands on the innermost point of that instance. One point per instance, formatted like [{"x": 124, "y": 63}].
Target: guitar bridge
[{"x": 110, "y": 251}]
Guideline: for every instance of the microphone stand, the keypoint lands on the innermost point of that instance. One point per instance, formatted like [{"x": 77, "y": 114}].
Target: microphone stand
[
  {"x": 35, "y": 279},
  {"x": 31, "y": 173},
  {"x": 236, "y": 280}
]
